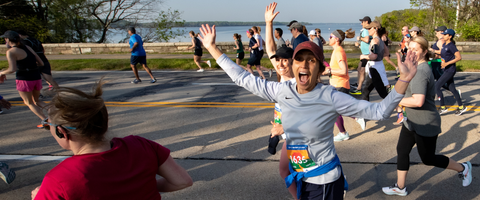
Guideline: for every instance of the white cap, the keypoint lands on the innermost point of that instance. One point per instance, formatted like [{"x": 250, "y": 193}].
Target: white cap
[{"x": 312, "y": 32}]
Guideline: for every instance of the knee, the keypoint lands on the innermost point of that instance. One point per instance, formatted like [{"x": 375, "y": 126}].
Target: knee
[
  {"x": 428, "y": 160},
  {"x": 284, "y": 172}
]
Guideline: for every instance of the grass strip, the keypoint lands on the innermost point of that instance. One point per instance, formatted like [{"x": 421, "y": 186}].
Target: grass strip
[{"x": 188, "y": 64}]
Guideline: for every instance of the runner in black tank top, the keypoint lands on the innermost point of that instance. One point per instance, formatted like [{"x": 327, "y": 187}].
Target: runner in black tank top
[
  {"x": 197, "y": 57},
  {"x": 25, "y": 63}
]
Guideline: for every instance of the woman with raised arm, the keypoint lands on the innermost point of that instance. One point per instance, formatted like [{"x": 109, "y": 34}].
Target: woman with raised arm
[
  {"x": 101, "y": 168},
  {"x": 282, "y": 62},
  {"x": 309, "y": 112},
  {"x": 25, "y": 63},
  {"x": 422, "y": 125}
]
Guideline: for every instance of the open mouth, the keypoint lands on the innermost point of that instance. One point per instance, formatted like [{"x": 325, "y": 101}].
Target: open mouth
[{"x": 303, "y": 77}]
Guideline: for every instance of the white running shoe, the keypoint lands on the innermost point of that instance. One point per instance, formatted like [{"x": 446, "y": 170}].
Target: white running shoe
[
  {"x": 362, "y": 123},
  {"x": 395, "y": 190},
  {"x": 209, "y": 63},
  {"x": 341, "y": 137},
  {"x": 466, "y": 175},
  {"x": 200, "y": 70}
]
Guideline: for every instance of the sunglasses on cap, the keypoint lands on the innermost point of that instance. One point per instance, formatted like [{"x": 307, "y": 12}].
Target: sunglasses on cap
[{"x": 47, "y": 126}]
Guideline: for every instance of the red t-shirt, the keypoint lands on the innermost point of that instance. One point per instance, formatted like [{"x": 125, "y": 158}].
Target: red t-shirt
[{"x": 127, "y": 171}]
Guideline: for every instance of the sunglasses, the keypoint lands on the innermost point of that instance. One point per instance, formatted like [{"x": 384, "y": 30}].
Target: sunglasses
[{"x": 47, "y": 126}]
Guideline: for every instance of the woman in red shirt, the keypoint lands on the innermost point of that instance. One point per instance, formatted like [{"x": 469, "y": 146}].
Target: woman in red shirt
[{"x": 120, "y": 168}]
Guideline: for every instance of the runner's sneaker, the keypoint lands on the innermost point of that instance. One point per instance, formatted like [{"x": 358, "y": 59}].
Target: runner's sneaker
[
  {"x": 209, "y": 63},
  {"x": 442, "y": 110},
  {"x": 341, "y": 137},
  {"x": 6, "y": 173},
  {"x": 40, "y": 126},
  {"x": 270, "y": 73},
  {"x": 395, "y": 190},
  {"x": 1, "y": 111},
  {"x": 50, "y": 87},
  {"x": 355, "y": 92},
  {"x": 460, "y": 111},
  {"x": 200, "y": 70},
  {"x": 362, "y": 123},
  {"x": 153, "y": 80},
  {"x": 135, "y": 81},
  {"x": 466, "y": 174}
]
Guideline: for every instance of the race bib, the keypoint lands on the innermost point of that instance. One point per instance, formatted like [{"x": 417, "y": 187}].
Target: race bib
[
  {"x": 277, "y": 115},
  {"x": 299, "y": 159}
]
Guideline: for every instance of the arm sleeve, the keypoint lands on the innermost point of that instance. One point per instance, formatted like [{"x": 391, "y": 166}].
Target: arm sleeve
[
  {"x": 50, "y": 189},
  {"x": 160, "y": 151},
  {"x": 133, "y": 39},
  {"x": 262, "y": 88},
  {"x": 347, "y": 105},
  {"x": 453, "y": 48}
]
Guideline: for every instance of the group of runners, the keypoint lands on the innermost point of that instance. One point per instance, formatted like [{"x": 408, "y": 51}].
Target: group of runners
[{"x": 305, "y": 110}]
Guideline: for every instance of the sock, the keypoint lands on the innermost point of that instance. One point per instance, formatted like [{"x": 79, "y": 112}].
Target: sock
[
  {"x": 460, "y": 107},
  {"x": 443, "y": 107}
]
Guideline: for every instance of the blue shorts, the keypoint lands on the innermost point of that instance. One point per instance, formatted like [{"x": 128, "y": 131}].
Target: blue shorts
[
  {"x": 330, "y": 191},
  {"x": 138, "y": 59}
]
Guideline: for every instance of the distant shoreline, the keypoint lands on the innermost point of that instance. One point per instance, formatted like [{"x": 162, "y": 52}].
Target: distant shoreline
[{"x": 228, "y": 23}]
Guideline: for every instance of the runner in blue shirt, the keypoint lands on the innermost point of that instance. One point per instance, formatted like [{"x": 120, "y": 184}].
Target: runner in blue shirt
[{"x": 138, "y": 55}]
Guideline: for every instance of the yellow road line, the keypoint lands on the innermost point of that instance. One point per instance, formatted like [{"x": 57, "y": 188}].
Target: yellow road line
[{"x": 208, "y": 105}]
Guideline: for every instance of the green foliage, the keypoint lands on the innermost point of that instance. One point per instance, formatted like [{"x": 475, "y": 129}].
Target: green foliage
[
  {"x": 166, "y": 21},
  {"x": 25, "y": 23},
  {"x": 471, "y": 31}
]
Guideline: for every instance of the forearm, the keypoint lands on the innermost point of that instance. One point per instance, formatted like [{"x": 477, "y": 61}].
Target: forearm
[
  {"x": 365, "y": 39},
  {"x": 270, "y": 43},
  {"x": 164, "y": 186},
  {"x": 409, "y": 102},
  {"x": 134, "y": 46},
  {"x": 372, "y": 56}
]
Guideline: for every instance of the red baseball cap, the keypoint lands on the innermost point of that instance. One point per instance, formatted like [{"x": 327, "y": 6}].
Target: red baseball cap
[{"x": 314, "y": 48}]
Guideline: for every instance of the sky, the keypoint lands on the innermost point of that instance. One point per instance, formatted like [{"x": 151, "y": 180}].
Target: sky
[{"x": 313, "y": 11}]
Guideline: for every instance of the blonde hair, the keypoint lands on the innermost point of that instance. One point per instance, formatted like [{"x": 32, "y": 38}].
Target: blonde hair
[
  {"x": 86, "y": 112},
  {"x": 424, "y": 45}
]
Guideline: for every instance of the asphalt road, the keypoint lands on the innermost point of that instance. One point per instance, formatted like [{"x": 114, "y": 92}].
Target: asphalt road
[{"x": 218, "y": 132}]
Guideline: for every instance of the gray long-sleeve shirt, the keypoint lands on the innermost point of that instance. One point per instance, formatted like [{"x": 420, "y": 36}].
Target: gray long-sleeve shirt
[{"x": 308, "y": 119}]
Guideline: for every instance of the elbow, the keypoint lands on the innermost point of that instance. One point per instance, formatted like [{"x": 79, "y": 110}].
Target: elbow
[
  {"x": 187, "y": 182},
  {"x": 419, "y": 104}
]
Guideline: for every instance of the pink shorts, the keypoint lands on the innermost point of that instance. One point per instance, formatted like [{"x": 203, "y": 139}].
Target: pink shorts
[{"x": 29, "y": 86}]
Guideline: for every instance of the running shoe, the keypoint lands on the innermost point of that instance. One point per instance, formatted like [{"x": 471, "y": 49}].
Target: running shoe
[
  {"x": 200, "y": 70},
  {"x": 442, "y": 110},
  {"x": 355, "y": 92},
  {"x": 50, "y": 87},
  {"x": 1, "y": 111},
  {"x": 341, "y": 137},
  {"x": 389, "y": 89},
  {"x": 270, "y": 73},
  {"x": 461, "y": 111},
  {"x": 40, "y": 126},
  {"x": 395, "y": 190},
  {"x": 6, "y": 173},
  {"x": 153, "y": 80},
  {"x": 209, "y": 63},
  {"x": 466, "y": 174},
  {"x": 354, "y": 85},
  {"x": 362, "y": 123},
  {"x": 135, "y": 81},
  {"x": 400, "y": 118}
]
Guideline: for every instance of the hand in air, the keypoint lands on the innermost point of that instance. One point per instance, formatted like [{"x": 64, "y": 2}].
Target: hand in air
[
  {"x": 208, "y": 35},
  {"x": 407, "y": 69},
  {"x": 270, "y": 13}
]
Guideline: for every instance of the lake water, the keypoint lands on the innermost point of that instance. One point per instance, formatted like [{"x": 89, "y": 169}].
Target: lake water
[{"x": 225, "y": 33}]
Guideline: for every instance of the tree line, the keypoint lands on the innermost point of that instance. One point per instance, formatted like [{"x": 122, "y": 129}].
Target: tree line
[
  {"x": 461, "y": 15},
  {"x": 60, "y": 21}
]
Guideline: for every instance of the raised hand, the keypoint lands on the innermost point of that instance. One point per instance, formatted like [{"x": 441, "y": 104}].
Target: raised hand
[
  {"x": 407, "y": 69},
  {"x": 208, "y": 36},
  {"x": 270, "y": 13}
]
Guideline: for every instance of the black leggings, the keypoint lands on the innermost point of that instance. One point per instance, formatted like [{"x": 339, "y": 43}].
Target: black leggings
[
  {"x": 447, "y": 78},
  {"x": 374, "y": 82},
  {"x": 426, "y": 149}
]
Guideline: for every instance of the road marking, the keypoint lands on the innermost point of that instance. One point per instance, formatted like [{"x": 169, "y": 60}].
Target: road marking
[
  {"x": 33, "y": 157},
  {"x": 208, "y": 105}
]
